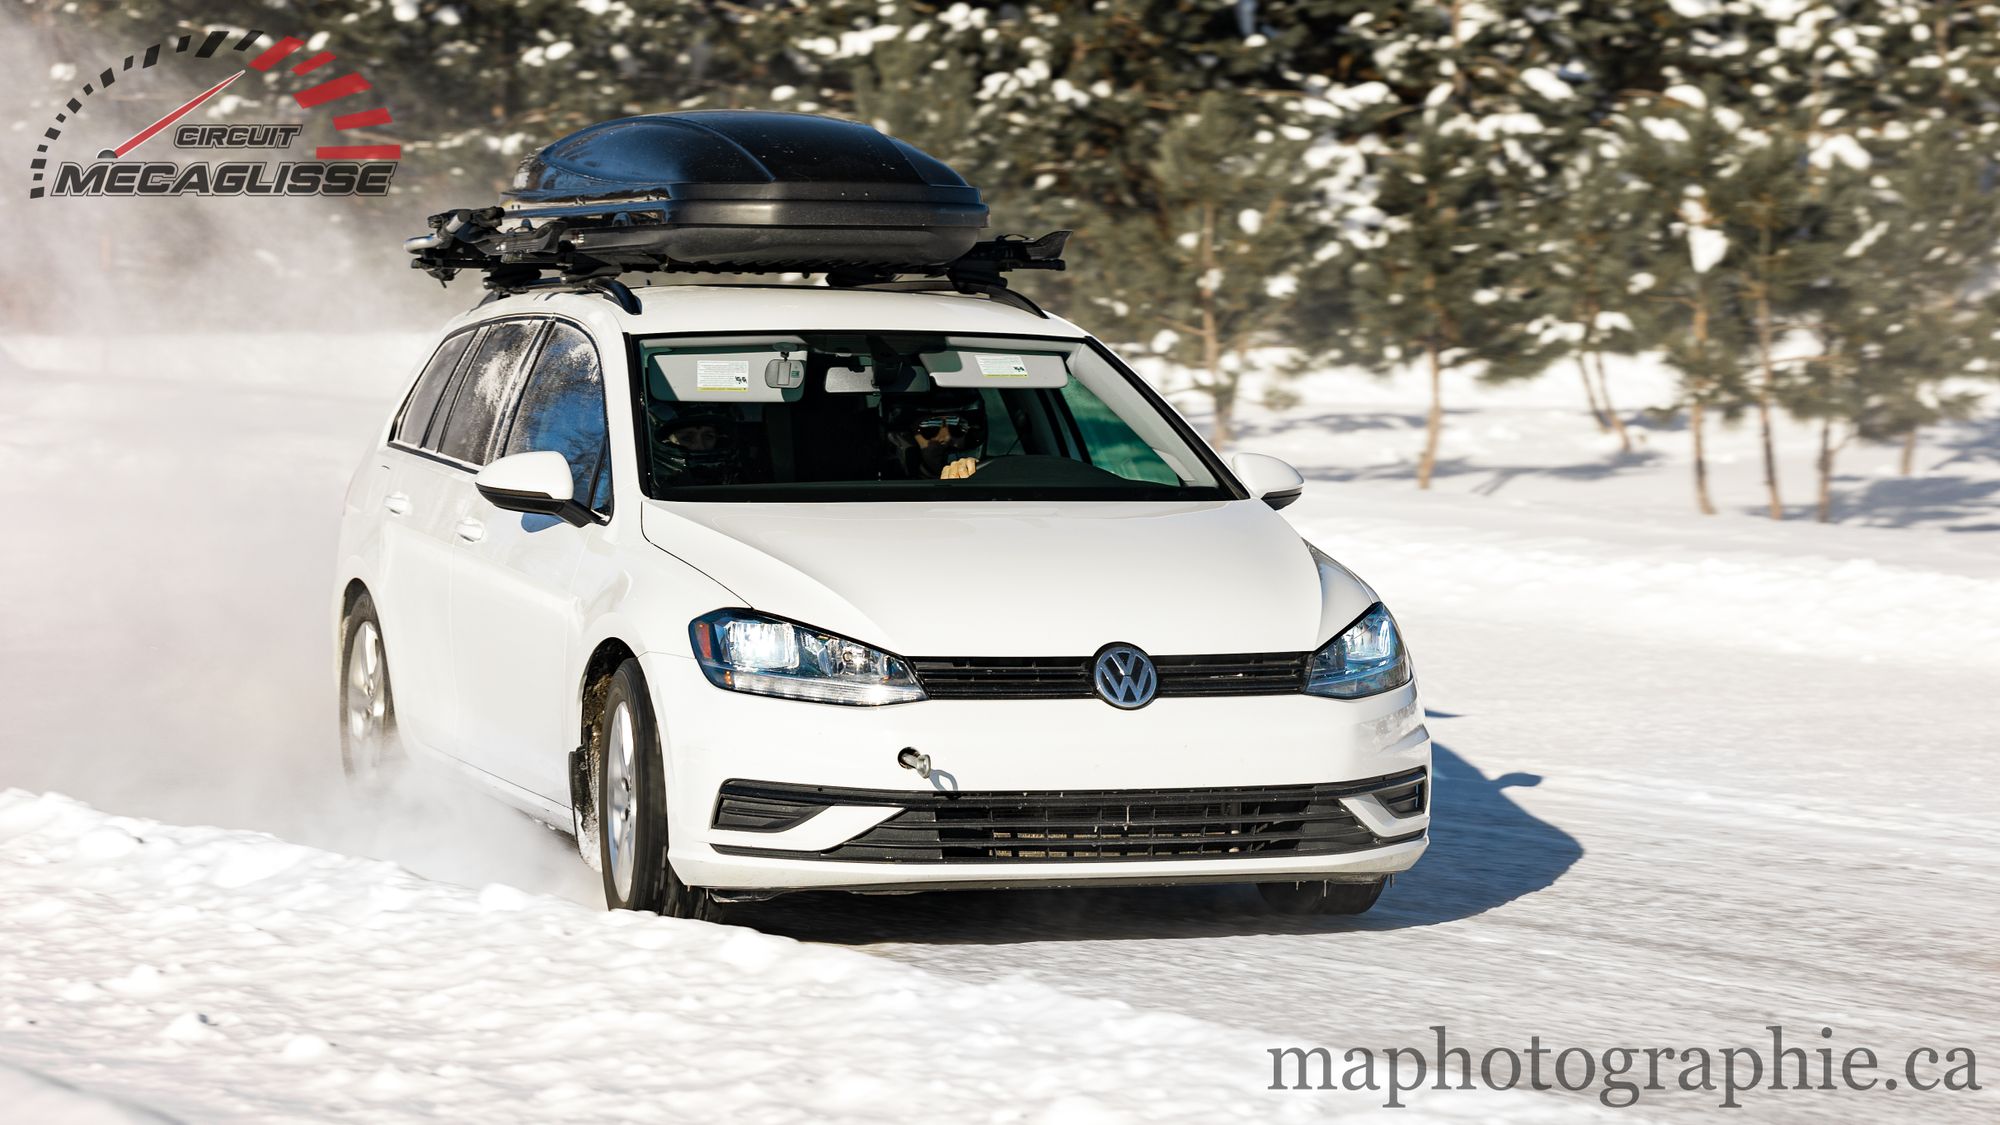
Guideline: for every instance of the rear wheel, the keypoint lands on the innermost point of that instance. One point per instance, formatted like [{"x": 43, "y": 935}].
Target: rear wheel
[
  {"x": 1321, "y": 898},
  {"x": 368, "y": 750},
  {"x": 632, "y": 808}
]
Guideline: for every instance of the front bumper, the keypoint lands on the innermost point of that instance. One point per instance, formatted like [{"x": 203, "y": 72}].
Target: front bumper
[{"x": 1270, "y": 788}]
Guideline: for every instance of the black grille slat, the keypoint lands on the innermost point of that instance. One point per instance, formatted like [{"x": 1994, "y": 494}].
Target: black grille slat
[
  {"x": 1090, "y": 825},
  {"x": 1004, "y": 678},
  {"x": 1069, "y": 677},
  {"x": 1107, "y": 823}
]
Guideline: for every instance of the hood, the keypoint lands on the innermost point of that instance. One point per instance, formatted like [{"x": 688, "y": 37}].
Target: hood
[{"x": 1021, "y": 578}]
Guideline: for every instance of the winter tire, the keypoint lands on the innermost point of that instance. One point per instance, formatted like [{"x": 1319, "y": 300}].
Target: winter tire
[
  {"x": 369, "y": 752},
  {"x": 632, "y": 808},
  {"x": 1321, "y": 898}
]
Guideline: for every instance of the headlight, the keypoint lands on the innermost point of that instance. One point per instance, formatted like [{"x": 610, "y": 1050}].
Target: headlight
[
  {"x": 1367, "y": 659},
  {"x": 747, "y": 652}
]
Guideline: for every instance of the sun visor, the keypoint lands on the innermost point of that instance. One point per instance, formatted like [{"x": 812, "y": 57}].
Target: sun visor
[
  {"x": 999, "y": 367},
  {"x": 733, "y": 374}
]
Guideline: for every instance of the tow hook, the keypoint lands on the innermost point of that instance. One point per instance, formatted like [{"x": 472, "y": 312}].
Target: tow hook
[{"x": 910, "y": 759}]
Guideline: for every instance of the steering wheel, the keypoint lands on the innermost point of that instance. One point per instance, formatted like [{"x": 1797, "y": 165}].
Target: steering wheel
[{"x": 1041, "y": 469}]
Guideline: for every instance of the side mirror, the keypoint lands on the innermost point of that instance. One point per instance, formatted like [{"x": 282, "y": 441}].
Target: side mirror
[
  {"x": 537, "y": 483},
  {"x": 1267, "y": 478}
]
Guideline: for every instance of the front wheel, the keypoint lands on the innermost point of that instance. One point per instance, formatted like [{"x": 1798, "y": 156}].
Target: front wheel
[
  {"x": 632, "y": 808},
  {"x": 1321, "y": 898}
]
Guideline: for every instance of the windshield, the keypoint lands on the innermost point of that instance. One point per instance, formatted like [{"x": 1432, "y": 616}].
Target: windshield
[{"x": 881, "y": 417}]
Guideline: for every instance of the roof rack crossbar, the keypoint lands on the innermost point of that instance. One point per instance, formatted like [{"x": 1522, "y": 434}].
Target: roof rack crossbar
[
  {"x": 998, "y": 292},
  {"x": 587, "y": 247}
]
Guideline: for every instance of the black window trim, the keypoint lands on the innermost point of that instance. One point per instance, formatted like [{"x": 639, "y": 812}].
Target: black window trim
[
  {"x": 549, "y": 322},
  {"x": 450, "y": 382},
  {"x": 544, "y": 319},
  {"x": 642, "y": 454},
  {"x": 534, "y": 351}
]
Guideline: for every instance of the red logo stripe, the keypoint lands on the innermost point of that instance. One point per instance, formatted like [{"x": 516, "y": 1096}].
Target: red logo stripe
[
  {"x": 344, "y": 86},
  {"x": 314, "y": 63},
  {"x": 277, "y": 53},
  {"x": 362, "y": 120}
]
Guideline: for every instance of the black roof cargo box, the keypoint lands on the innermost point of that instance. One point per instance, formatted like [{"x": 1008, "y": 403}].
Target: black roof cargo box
[
  {"x": 742, "y": 188},
  {"x": 731, "y": 191}
]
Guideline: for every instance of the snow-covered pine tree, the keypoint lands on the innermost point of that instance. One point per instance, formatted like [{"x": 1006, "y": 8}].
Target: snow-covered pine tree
[
  {"x": 1432, "y": 269},
  {"x": 1163, "y": 133},
  {"x": 1583, "y": 270},
  {"x": 1685, "y": 154},
  {"x": 1779, "y": 225},
  {"x": 1208, "y": 269},
  {"x": 1917, "y": 316},
  {"x": 1919, "y": 103},
  {"x": 1437, "y": 281}
]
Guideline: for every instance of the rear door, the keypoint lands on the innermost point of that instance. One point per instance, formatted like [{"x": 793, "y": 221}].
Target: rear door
[
  {"x": 411, "y": 593},
  {"x": 515, "y": 614},
  {"x": 460, "y": 440}
]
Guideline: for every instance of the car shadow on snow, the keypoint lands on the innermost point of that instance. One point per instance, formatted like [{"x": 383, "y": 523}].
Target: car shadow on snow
[{"x": 1486, "y": 851}]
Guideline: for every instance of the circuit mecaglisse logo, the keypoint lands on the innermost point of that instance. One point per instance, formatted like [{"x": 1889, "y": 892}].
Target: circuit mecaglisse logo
[{"x": 242, "y": 160}]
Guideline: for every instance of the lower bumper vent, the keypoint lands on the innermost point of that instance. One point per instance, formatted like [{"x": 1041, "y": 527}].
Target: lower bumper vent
[{"x": 1040, "y": 827}]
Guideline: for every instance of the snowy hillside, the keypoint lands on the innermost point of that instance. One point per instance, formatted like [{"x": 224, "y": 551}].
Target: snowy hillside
[{"x": 1696, "y": 776}]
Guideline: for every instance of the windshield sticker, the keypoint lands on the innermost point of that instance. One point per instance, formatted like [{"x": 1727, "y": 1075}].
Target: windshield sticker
[
  {"x": 1000, "y": 365},
  {"x": 722, "y": 375}
]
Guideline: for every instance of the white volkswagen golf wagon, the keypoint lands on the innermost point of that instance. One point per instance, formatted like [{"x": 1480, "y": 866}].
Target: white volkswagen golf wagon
[{"x": 767, "y": 588}]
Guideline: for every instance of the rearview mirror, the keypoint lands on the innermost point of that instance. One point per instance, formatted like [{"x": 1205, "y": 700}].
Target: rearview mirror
[
  {"x": 537, "y": 483},
  {"x": 1267, "y": 478}
]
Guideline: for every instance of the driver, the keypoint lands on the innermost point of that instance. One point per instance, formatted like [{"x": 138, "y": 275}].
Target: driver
[
  {"x": 698, "y": 445},
  {"x": 941, "y": 437}
]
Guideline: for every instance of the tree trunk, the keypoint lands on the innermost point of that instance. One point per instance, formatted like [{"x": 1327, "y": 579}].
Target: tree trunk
[
  {"x": 1434, "y": 425},
  {"x": 1764, "y": 391},
  {"x": 1220, "y": 388},
  {"x": 1826, "y": 470},
  {"x": 1590, "y": 392},
  {"x": 1610, "y": 410},
  {"x": 1696, "y": 418},
  {"x": 1909, "y": 461},
  {"x": 1224, "y": 431},
  {"x": 1695, "y": 424}
]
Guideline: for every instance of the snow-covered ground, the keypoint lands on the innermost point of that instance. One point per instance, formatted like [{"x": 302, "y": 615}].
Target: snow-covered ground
[{"x": 1697, "y": 776}]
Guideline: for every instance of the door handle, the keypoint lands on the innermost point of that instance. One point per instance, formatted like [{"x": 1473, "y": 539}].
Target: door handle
[
  {"x": 398, "y": 503},
  {"x": 471, "y": 530}
]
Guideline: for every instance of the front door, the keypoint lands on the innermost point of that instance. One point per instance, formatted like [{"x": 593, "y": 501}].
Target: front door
[{"x": 514, "y": 611}]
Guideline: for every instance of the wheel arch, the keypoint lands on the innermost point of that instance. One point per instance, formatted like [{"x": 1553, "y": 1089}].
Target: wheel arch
[
  {"x": 351, "y": 594},
  {"x": 605, "y": 659}
]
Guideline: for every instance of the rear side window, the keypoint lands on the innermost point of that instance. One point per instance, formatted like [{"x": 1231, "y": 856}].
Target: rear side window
[
  {"x": 562, "y": 410},
  {"x": 487, "y": 391},
  {"x": 429, "y": 391}
]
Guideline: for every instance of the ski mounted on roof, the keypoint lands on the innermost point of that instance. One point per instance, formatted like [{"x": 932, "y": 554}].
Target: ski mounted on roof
[{"x": 733, "y": 191}]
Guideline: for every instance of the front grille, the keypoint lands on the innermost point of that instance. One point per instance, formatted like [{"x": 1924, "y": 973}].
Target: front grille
[
  {"x": 1120, "y": 824},
  {"x": 1069, "y": 677}
]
